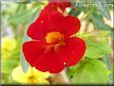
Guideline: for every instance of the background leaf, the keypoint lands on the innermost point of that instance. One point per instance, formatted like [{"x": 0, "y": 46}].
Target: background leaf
[
  {"x": 22, "y": 16},
  {"x": 97, "y": 50},
  {"x": 24, "y": 64},
  {"x": 91, "y": 72},
  {"x": 23, "y": 61},
  {"x": 97, "y": 43},
  {"x": 99, "y": 23},
  {"x": 8, "y": 65}
]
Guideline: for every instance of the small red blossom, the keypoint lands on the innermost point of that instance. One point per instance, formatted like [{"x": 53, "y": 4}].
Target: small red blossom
[{"x": 52, "y": 45}]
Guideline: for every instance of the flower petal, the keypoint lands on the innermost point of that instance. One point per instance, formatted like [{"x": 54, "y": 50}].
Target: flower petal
[
  {"x": 38, "y": 29},
  {"x": 18, "y": 75},
  {"x": 38, "y": 77},
  {"x": 73, "y": 51},
  {"x": 36, "y": 32},
  {"x": 63, "y": 4},
  {"x": 64, "y": 24},
  {"x": 51, "y": 7},
  {"x": 60, "y": 1},
  {"x": 33, "y": 50},
  {"x": 50, "y": 62}
]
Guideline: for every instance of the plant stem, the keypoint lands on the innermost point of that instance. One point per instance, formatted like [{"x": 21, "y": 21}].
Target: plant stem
[{"x": 60, "y": 78}]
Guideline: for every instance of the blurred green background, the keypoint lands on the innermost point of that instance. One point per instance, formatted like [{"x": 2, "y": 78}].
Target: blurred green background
[{"x": 97, "y": 29}]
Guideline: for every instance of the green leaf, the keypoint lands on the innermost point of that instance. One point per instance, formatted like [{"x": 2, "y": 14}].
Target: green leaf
[
  {"x": 24, "y": 63},
  {"x": 8, "y": 65},
  {"x": 22, "y": 16},
  {"x": 90, "y": 72},
  {"x": 97, "y": 43},
  {"x": 97, "y": 50},
  {"x": 103, "y": 9}
]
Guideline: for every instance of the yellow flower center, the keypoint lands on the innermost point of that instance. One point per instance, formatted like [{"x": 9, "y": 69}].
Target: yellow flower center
[
  {"x": 54, "y": 37},
  {"x": 31, "y": 79}
]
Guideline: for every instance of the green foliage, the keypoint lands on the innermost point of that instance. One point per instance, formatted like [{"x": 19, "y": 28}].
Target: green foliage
[
  {"x": 90, "y": 72},
  {"x": 22, "y": 16},
  {"x": 8, "y": 65},
  {"x": 97, "y": 50},
  {"x": 97, "y": 44},
  {"x": 99, "y": 22},
  {"x": 23, "y": 61},
  {"x": 10, "y": 58},
  {"x": 84, "y": 5},
  {"x": 103, "y": 9}
]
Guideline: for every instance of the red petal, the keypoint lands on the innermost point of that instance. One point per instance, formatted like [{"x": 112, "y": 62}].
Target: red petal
[
  {"x": 36, "y": 32},
  {"x": 38, "y": 29},
  {"x": 73, "y": 51},
  {"x": 63, "y": 4},
  {"x": 33, "y": 50},
  {"x": 51, "y": 7},
  {"x": 50, "y": 62},
  {"x": 65, "y": 24},
  {"x": 60, "y": 1}
]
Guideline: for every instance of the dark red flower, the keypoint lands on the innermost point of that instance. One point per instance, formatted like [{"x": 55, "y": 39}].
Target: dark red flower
[
  {"x": 62, "y": 4},
  {"x": 52, "y": 45}
]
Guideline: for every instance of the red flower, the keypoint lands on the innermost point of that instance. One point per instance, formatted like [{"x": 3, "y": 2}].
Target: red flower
[
  {"x": 63, "y": 4},
  {"x": 52, "y": 44}
]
